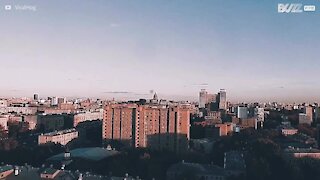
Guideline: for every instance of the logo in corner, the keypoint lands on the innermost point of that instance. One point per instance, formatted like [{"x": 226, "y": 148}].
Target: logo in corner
[
  {"x": 290, "y": 8},
  {"x": 295, "y": 8}
]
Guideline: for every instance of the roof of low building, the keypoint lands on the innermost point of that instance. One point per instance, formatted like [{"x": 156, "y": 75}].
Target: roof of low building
[
  {"x": 92, "y": 153},
  {"x": 49, "y": 171},
  {"x": 5, "y": 168},
  {"x": 196, "y": 168}
]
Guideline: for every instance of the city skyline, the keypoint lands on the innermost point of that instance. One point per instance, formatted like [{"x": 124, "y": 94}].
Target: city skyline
[{"x": 124, "y": 49}]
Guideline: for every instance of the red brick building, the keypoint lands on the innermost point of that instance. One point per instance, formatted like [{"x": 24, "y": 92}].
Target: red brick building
[{"x": 154, "y": 126}]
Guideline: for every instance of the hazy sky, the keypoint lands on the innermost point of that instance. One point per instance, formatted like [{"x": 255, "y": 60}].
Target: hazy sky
[{"x": 125, "y": 48}]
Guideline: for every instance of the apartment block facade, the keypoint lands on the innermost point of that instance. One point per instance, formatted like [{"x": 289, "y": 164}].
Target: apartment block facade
[
  {"x": 58, "y": 137},
  {"x": 153, "y": 126}
]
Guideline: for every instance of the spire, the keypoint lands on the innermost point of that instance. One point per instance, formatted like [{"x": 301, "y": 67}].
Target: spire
[{"x": 155, "y": 96}]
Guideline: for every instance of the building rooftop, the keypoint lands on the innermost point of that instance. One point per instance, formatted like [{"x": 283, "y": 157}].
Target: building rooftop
[
  {"x": 49, "y": 171},
  {"x": 94, "y": 154},
  {"x": 31, "y": 173},
  {"x": 287, "y": 127},
  {"x": 55, "y": 133},
  {"x": 5, "y": 168},
  {"x": 301, "y": 150}
]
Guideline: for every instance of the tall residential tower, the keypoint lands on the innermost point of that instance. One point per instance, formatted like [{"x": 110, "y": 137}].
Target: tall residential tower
[
  {"x": 203, "y": 98},
  {"x": 153, "y": 126},
  {"x": 222, "y": 95}
]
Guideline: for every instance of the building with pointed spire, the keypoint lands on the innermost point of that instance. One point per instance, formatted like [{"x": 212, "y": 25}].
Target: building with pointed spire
[{"x": 155, "y": 99}]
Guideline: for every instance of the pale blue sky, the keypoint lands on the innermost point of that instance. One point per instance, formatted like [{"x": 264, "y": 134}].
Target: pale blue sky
[{"x": 97, "y": 47}]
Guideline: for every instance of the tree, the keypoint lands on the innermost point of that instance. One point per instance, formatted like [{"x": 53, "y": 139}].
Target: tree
[{"x": 3, "y": 133}]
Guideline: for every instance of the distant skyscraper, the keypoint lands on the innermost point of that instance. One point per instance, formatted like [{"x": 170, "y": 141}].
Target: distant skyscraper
[
  {"x": 211, "y": 98},
  {"x": 309, "y": 113},
  {"x": 54, "y": 101},
  {"x": 203, "y": 98},
  {"x": 316, "y": 114},
  {"x": 222, "y": 97},
  {"x": 242, "y": 112},
  {"x": 304, "y": 119},
  {"x": 36, "y": 97},
  {"x": 61, "y": 100},
  {"x": 259, "y": 113}
]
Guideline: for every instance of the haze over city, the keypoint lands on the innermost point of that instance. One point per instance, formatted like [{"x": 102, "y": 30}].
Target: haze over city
[
  {"x": 159, "y": 90},
  {"x": 124, "y": 49}
]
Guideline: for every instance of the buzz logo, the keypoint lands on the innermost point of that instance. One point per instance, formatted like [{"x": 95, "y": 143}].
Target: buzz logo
[{"x": 290, "y": 8}]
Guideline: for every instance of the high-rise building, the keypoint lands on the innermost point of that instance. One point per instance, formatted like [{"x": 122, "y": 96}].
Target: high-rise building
[
  {"x": 211, "y": 98},
  {"x": 222, "y": 97},
  {"x": 54, "y": 101},
  {"x": 242, "y": 112},
  {"x": 316, "y": 114},
  {"x": 309, "y": 113},
  {"x": 259, "y": 113},
  {"x": 120, "y": 121},
  {"x": 304, "y": 119},
  {"x": 157, "y": 127},
  {"x": 203, "y": 98},
  {"x": 36, "y": 97},
  {"x": 61, "y": 100}
]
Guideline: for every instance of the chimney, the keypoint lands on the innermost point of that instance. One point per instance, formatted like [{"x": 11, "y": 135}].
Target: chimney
[
  {"x": 80, "y": 176},
  {"x": 16, "y": 170}
]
